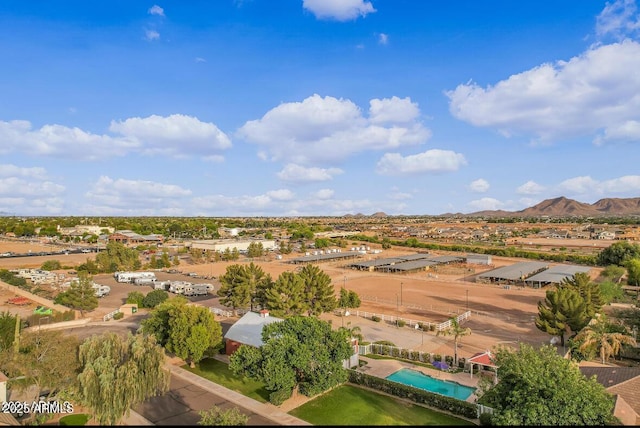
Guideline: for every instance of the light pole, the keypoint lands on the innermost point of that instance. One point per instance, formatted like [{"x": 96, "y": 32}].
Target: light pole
[
  {"x": 397, "y": 310},
  {"x": 401, "y": 293},
  {"x": 467, "y": 299}
]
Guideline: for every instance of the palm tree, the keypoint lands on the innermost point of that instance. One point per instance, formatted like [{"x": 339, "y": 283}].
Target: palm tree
[
  {"x": 354, "y": 332},
  {"x": 600, "y": 337},
  {"x": 457, "y": 331}
]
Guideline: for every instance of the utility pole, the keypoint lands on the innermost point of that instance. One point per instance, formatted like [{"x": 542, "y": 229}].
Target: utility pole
[
  {"x": 397, "y": 310},
  {"x": 400, "y": 293},
  {"x": 467, "y": 299}
]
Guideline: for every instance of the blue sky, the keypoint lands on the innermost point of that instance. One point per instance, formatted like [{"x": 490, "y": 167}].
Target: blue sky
[{"x": 315, "y": 107}]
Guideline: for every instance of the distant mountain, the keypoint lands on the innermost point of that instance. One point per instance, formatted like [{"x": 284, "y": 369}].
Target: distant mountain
[
  {"x": 378, "y": 214},
  {"x": 565, "y": 207}
]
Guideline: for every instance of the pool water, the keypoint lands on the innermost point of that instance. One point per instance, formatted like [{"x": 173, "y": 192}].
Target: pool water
[{"x": 419, "y": 380}]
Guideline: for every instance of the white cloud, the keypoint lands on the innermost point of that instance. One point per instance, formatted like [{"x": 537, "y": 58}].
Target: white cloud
[
  {"x": 28, "y": 191},
  {"x": 175, "y": 135},
  {"x": 323, "y": 194},
  {"x": 530, "y": 188},
  {"x": 156, "y": 10},
  {"x": 151, "y": 35},
  {"x": 281, "y": 195},
  {"x": 199, "y": 59},
  {"x": 383, "y": 38},
  {"x": 329, "y": 129},
  {"x": 480, "y": 185},
  {"x": 61, "y": 141},
  {"x": 431, "y": 161},
  {"x": 591, "y": 93},
  {"x": 618, "y": 19},
  {"x": 486, "y": 204},
  {"x": 340, "y": 10},
  {"x": 135, "y": 197},
  {"x": 393, "y": 110},
  {"x": 400, "y": 196},
  {"x": 585, "y": 185},
  {"x": 297, "y": 173}
]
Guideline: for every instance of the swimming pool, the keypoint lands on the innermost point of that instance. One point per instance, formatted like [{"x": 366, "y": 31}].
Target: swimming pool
[{"x": 419, "y": 380}]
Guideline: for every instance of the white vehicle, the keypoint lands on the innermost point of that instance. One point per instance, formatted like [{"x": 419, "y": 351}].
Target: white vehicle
[
  {"x": 130, "y": 276},
  {"x": 161, "y": 285},
  {"x": 196, "y": 290},
  {"x": 144, "y": 281},
  {"x": 178, "y": 287},
  {"x": 101, "y": 290}
]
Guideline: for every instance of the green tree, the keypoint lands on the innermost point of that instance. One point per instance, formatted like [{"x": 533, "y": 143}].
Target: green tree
[
  {"x": 117, "y": 257},
  {"x": 604, "y": 340},
  {"x": 235, "y": 290},
  {"x": 7, "y": 329},
  {"x": 613, "y": 273},
  {"x": 301, "y": 353},
  {"x": 48, "y": 361},
  {"x": 355, "y": 332},
  {"x": 540, "y": 387},
  {"x": 189, "y": 331},
  {"x": 618, "y": 253},
  {"x": 588, "y": 290},
  {"x": 51, "y": 265},
  {"x": 611, "y": 291},
  {"x": 256, "y": 249},
  {"x": 285, "y": 297},
  {"x": 135, "y": 297},
  {"x": 215, "y": 416},
  {"x": 348, "y": 299},
  {"x": 562, "y": 311},
  {"x": 81, "y": 294},
  {"x": 633, "y": 271},
  {"x": 154, "y": 298},
  {"x": 118, "y": 373},
  {"x": 456, "y": 331},
  {"x": 318, "y": 290}
]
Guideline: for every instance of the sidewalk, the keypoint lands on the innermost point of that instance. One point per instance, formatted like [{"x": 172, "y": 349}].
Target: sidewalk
[{"x": 266, "y": 410}]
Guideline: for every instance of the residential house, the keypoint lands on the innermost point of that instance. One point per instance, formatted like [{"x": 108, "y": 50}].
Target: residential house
[{"x": 624, "y": 384}]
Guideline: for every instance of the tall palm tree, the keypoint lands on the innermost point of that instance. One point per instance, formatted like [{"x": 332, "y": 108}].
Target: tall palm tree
[
  {"x": 457, "y": 331},
  {"x": 354, "y": 332},
  {"x": 600, "y": 338}
]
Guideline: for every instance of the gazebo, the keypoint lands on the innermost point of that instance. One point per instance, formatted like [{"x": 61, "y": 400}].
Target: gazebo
[{"x": 483, "y": 359}]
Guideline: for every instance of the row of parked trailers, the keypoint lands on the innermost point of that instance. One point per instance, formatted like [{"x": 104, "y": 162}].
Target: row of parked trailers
[{"x": 177, "y": 287}]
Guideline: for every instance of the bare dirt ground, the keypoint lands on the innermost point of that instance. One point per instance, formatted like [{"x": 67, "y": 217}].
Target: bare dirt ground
[{"x": 498, "y": 315}]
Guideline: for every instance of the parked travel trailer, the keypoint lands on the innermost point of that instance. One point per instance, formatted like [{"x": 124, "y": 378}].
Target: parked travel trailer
[
  {"x": 131, "y": 276},
  {"x": 196, "y": 290},
  {"x": 144, "y": 281},
  {"x": 101, "y": 290},
  {"x": 161, "y": 285},
  {"x": 177, "y": 287}
]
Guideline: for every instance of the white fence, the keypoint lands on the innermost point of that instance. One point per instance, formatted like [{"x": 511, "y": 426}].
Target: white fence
[
  {"x": 411, "y": 323},
  {"x": 110, "y": 315}
]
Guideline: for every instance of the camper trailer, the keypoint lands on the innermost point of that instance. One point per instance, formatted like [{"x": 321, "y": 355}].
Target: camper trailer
[
  {"x": 161, "y": 285},
  {"x": 177, "y": 287},
  {"x": 131, "y": 276},
  {"x": 144, "y": 281},
  {"x": 196, "y": 290},
  {"x": 101, "y": 290}
]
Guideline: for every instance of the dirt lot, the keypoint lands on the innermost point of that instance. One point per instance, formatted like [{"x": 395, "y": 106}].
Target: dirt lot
[{"x": 499, "y": 315}]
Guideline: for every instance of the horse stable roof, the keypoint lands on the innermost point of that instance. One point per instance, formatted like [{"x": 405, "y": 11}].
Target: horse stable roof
[
  {"x": 555, "y": 274},
  {"x": 515, "y": 271}
]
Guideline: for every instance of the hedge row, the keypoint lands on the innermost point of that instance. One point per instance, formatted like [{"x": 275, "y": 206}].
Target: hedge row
[{"x": 417, "y": 395}]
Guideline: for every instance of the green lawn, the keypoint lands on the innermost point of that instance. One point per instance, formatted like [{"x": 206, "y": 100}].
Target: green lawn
[
  {"x": 218, "y": 372},
  {"x": 349, "y": 405},
  {"x": 77, "y": 420}
]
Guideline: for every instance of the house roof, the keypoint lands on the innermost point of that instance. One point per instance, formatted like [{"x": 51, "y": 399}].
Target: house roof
[
  {"x": 248, "y": 329},
  {"x": 622, "y": 381},
  {"x": 484, "y": 358}
]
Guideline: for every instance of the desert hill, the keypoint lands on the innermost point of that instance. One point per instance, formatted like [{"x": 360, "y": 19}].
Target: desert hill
[{"x": 565, "y": 207}]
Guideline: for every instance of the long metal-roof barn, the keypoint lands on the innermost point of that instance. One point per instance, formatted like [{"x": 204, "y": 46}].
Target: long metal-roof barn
[
  {"x": 555, "y": 275},
  {"x": 512, "y": 274}
]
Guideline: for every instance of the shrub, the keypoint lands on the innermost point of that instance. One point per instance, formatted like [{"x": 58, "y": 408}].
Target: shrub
[
  {"x": 461, "y": 362},
  {"x": 395, "y": 352},
  {"x": 118, "y": 315},
  {"x": 415, "y": 355},
  {"x": 448, "y": 359},
  {"x": 401, "y": 323},
  {"x": 432, "y": 327},
  {"x": 278, "y": 397},
  {"x": 426, "y": 357},
  {"x": 485, "y": 419},
  {"x": 404, "y": 353},
  {"x": 376, "y": 318},
  {"x": 154, "y": 298},
  {"x": 437, "y": 357}
]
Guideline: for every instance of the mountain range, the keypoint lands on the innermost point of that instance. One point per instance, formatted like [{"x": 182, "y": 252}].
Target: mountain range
[{"x": 565, "y": 207}]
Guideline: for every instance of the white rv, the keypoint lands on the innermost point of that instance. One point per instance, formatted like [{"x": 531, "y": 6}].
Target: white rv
[
  {"x": 101, "y": 290},
  {"x": 144, "y": 281},
  {"x": 161, "y": 285},
  {"x": 177, "y": 287},
  {"x": 131, "y": 276},
  {"x": 196, "y": 289}
]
